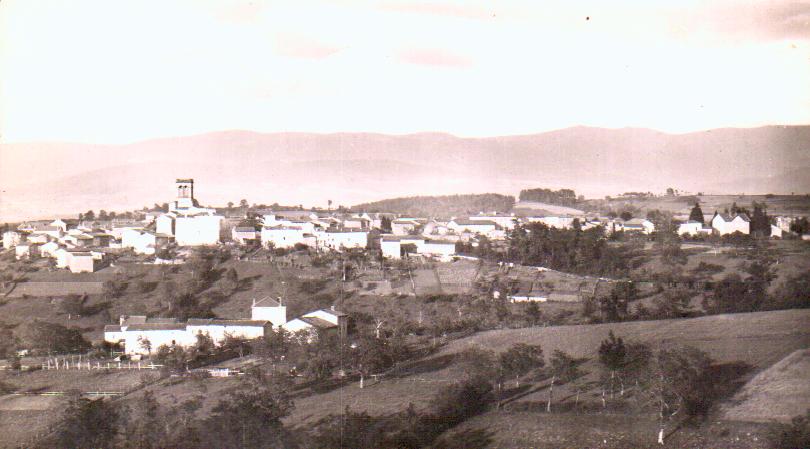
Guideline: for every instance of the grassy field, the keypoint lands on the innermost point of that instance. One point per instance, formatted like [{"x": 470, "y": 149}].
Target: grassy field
[
  {"x": 757, "y": 339},
  {"x": 777, "y": 204},
  {"x": 778, "y": 393}
]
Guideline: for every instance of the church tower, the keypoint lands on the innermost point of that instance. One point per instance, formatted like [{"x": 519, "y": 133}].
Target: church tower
[{"x": 185, "y": 193}]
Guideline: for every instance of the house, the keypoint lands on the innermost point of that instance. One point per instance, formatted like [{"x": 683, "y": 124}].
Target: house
[
  {"x": 144, "y": 242},
  {"x": 505, "y": 221},
  {"x": 283, "y": 236},
  {"x": 49, "y": 249},
  {"x": 404, "y": 226},
  {"x": 392, "y": 246},
  {"x": 641, "y": 225},
  {"x": 338, "y": 240},
  {"x": 142, "y": 335},
  {"x": 691, "y": 227},
  {"x": 13, "y": 238},
  {"x": 324, "y": 320},
  {"x": 243, "y": 234},
  {"x": 219, "y": 330},
  {"x": 84, "y": 261},
  {"x": 26, "y": 250},
  {"x": 64, "y": 224},
  {"x": 356, "y": 223},
  {"x": 268, "y": 309},
  {"x": 483, "y": 227},
  {"x": 724, "y": 224},
  {"x": 553, "y": 221}
]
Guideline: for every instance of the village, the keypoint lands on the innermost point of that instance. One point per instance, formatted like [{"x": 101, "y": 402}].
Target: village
[{"x": 349, "y": 297}]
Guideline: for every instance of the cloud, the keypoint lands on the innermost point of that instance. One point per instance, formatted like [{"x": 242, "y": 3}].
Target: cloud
[
  {"x": 433, "y": 57},
  {"x": 298, "y": 46},
  {"x": 441, "y": 9}
]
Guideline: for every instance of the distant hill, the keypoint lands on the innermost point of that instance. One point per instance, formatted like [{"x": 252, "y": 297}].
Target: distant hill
[
  {"x": 45, "y": 179},
  {"x": 441, "y": 206}
]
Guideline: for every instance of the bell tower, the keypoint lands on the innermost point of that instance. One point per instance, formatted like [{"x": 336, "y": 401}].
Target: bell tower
[{"x": 185, "y": 193}]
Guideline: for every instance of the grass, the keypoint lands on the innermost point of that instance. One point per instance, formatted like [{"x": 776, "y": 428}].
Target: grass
[{"x": 778, "y": 393}]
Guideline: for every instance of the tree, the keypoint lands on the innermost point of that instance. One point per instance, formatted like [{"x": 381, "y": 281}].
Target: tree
[
  {"x": 520, "y": 359},
  {"x": 113, "y": 288},
  {"x": 563, "y": 367},
  {"x": 533, "y": 313},
  {"x": 89, "y": 215},
  {"x": 696, "y": 214},
  {"x": 626, "y": 215},
  {"x": 73, "y": 304},
  {"x": 681, "y": 381},
  {"x": 458, "y": 402},
  {"x": 385, "y": 224},
  {"x": 146, "y": 426},
  {"x": 243, "y": 204},
  {"x": 612, "y": 353},
  {"x": 670, "y": 191},
  {"x": 46, "y": 337},
  {"x": 88, "y": 423},
  {"x": 760, "y": 223},
  {"x": 250, "y": 417},
  {"x": 229, "y": 282},
  {"x": 230, "y": 204}
]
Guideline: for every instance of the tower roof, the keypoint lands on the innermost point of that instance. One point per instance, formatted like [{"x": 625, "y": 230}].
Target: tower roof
[{"x": 188, "y": 180}]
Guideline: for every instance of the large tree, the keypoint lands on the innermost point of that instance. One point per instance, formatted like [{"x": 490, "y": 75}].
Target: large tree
[{"x": 696, "y": 214}]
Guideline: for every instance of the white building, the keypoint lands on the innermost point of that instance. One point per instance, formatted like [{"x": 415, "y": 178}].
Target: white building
[
  {"x": 559, "y": 222},
  {"x": 641, "y": 225},
  {"x": 483, "y": 227},
  {"x": 283, "y": 236},
  {"x": 84, "y": 261},
  {"x": 189, "y": 224},
  {"x": 319, "y": 320},
  {"x": 391, "y": 246},
  {"x": 505, "y": 221},
  {"x": 243, "y": 234},
  {"x": 725, "y": 224},
  {"x": 338, "y": 240},
  {"x": 776, "y": 232},
  {"x": 268, "y": 309},
  {"x": 12, "y": 239},
  {"x": 219, "y": 330},
  {"x": 403, "y": 226},
  {"x": 26, "y": 250}
]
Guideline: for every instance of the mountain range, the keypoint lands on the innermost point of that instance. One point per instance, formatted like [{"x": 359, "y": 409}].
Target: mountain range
[{"x": 50, "y": 178}]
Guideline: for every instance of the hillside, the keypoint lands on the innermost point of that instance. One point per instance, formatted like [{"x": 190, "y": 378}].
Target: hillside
[
  {"x": 352, "y": 168},
  {"x": 441, "y": 206}
]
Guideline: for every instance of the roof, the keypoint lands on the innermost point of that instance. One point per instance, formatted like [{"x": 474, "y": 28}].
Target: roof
[
  {"x": 464, "y": 222},
  {"x": 219, "y": 322},
  {"x": 266, "y": 302},
  {"x": 112, "y": 328},
  {"x": 156, "y": 327},
  {"x": 317, "y": 322},
  {"x": 332, "y": 312},
  {"x": 189, "y": 180},
  {"x": 244, "y": 229}
]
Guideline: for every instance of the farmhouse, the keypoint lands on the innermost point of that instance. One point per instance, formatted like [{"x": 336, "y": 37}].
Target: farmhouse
[
  {"x": 324, "y": 320},
  {"x": 724, "y": 224},
  {"x": 84, "y": 261},
  {"x": 218, "y": 330},
  {"x": 641, "y": 225},
  {"x": 528, "y": 291}
]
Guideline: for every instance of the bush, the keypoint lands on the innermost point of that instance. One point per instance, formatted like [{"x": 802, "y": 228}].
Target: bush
[
  {"x": 795, "y": 435},
  {"x": 458, "y": 402}
]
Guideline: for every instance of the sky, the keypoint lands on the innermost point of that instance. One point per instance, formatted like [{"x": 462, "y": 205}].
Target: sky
[{"x": 101, "y": 71}]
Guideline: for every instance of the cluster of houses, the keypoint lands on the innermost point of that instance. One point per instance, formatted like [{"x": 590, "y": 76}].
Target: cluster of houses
[
  {"x": 84, "y": 246},
  {"x": 726, "y": 224},
  {"x": 140, "y": 335}
]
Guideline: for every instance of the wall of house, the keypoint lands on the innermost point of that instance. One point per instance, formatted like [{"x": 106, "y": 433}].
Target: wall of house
[
  {"x": 282, "y": 238},
  {"x": 276, "y": 315},
  {"x": 197, "y": 230}
]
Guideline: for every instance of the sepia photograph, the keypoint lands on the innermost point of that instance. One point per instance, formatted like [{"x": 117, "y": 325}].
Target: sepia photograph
[{"x": 404, "y": 224}]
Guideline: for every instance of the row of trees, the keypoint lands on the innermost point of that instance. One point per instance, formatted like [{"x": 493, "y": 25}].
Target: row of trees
[{"x": 562, "y": 197}]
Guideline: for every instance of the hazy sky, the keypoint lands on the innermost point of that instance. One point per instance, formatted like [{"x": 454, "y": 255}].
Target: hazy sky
[{"x": 115, "y": 72}]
